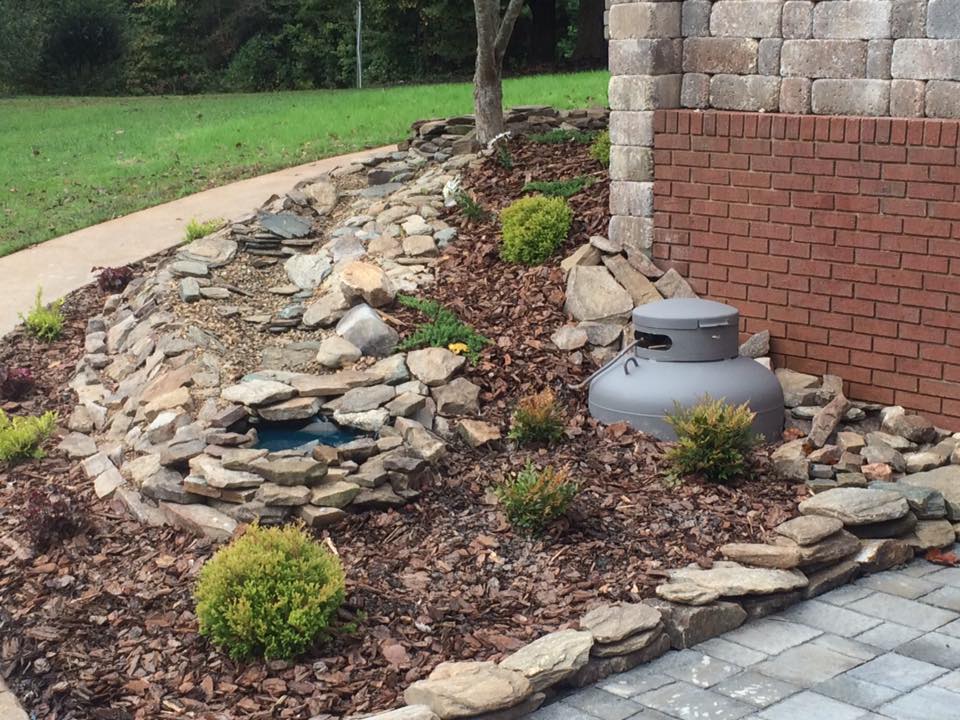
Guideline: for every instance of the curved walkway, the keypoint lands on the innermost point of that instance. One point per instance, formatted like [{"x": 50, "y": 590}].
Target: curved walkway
[
  {"x": 886, "y": 647},
  {"x": 63, "y": 264}
]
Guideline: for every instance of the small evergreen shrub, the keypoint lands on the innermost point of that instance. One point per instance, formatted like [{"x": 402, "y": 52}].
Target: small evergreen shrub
[
  {"x": 44, "y": 322},
  {"x": 114, "y": 279},
  {"x": 197, "y": 229},
  {"x": 558, "y": 137},
  {"x": 559, "y": 188},
  {"x": 533, "y": 498},
  {"x": 21, "y": 437},
  {"x": 270, "y": 592},
  {"x": 16, "y": 383},
  {"x": 713, "y": 440},
  {"x": 504, "y": 156},
  {"x": 50, "y": 519},
  {"x": 471, "y": 209},
  {"x": 537, "y": 418},
  {"x": 600, "y": 149},
  {"x": 533, "y": 228},
  {"x": 444, "y": 330}
]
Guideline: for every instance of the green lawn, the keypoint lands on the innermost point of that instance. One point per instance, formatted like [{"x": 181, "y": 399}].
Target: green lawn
[{"x": 67, "y": 163}]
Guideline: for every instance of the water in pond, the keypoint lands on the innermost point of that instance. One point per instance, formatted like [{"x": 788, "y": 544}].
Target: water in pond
[{"x": 304, "y": 434}]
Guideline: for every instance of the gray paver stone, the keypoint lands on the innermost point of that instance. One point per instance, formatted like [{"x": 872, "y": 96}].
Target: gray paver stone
[
  {"x": 809, "y": 704},
  {"x": 807, "y": 664},
  {"x": 926, "y": 703},
  {"x": 897, "y": 671},
  {"x": 903, "y": 611},
  {"x": 690, "y": 703},
  {"x": 771, "y": 636}
]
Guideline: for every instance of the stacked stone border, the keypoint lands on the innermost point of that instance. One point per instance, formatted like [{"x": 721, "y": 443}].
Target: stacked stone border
[{"x": 839, "y": 235}]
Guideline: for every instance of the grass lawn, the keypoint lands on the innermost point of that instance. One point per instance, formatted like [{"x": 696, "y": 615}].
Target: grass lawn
[{"x": 67, "y": 163}]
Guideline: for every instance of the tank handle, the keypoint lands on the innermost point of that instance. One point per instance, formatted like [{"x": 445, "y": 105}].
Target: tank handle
[
  {"x": 626, "y": 365},
  {"x": 604, "y": 368}
]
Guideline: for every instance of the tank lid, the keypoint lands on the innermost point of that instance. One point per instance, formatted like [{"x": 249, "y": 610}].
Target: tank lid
[{"x": 684, "y": 314}]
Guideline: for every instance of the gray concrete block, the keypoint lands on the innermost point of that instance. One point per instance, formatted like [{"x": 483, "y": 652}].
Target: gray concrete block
[
  {"x": 943, "y": 19},
  {"x": 746, "y": 18},
  {"x": 903, "y": 612},
  {"x": 695, "y": 91},
  {"x": 644, "y": 92},
  {"x": 631, "y": 127},
  {"x": 795, "y": 95},
  {"x": 879, "y": 55},
  {"x": 888, "y": 635},
  {"x": 925, "y": 703},
  {"x": 830, "y": 618},
  {"x": 926, "y": 59},
  {"x": 898, "y": 672},
  {"x": 807, "y": 664},
  {"x": 908, "y": 19},
  {"x": 645, "y": 20},
  {"x": 934, "y": 648},
  {"x": 850, "y": 97},
  {"x": 629, "y": 162},
  {"x": 645, "y": 56},
  {"x": 688, "y": 701},
  {"x": 942, "y": 99},
  {"x": 809, "y": 704},
  {"x": 895, "y": 583},
  {"x": 907, "y": 98},
  {"x": 768, "y": 56},
  {"x": 631, "y": 198},
  {"x": 824, "y": 58},
  {"x": 723, "y": 649},
  {"x": 634, "y": 233},
  {"x": 856, "y": 692},
  {"x": 695, "y": 18},
  {"x": 853, "y": 19},
  {"x": 720, "y": 55},
  {"x": 745, "y": 92},
  {"x": 771, "y": 636},
  {"x": 797, "y": 19},
  {"x": 756, "y": 689},
  {"x": 601, "y": 704}
]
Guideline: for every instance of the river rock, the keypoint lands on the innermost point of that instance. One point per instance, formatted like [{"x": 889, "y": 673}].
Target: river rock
[
  {"x": 364, "y": 327},
  {"x": 434, "y": 366},
  {"x": 254, "y": 393},
  {"x": 760, "y": 555},
  {"x": 367, "y": 280},
  {"x": 946, "y": 481},
  {"x": 614, "y": 622},
  {"x": 856, "y": 506},
  {"x": 474, "y": 689},
  {"x": 551, "y": 658},
  {"x": 593, "y": 294},
  {"x": 308, "y": 271}
]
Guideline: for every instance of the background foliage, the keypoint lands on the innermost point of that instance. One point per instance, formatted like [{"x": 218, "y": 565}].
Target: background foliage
[{"x": 105, "y": 47}]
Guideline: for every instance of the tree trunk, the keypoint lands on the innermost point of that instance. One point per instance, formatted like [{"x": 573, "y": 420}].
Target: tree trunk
[
  {"x": 591, "y": 45},
  {"x": 493, "y": 35}
]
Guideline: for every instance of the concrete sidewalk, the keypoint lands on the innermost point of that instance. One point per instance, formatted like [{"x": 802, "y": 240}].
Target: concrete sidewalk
[{"x": 63, "y": 264}]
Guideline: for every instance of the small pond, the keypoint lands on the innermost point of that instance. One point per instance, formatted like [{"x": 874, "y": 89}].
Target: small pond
[{"x": 304, "y": 434}]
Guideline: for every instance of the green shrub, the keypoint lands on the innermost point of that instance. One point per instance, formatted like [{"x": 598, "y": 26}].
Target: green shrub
[
  {"x": 713, "y": 440},
  {"x": 532, "y": 499},
  {"x": 537, "y": 418},
  {"x": 443, "y": 330},
  {"x": 197, "y": 229},
  {"x": 557, "y": 137},
  {"x": 44, "y": 322},
  {"x": 600, "y": 150},
  {"x": 471, "y": 209},
  {"x": 270, "y": 592},
  {"x": 559, "y": 188},
  {"x": 504, "y": 156},
  {"x": 21, "y": 437},
  {"x": 533, "y": 229}
]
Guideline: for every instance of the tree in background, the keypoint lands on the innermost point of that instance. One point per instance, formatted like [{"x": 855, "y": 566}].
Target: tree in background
[{"x": 493, "y": 36}]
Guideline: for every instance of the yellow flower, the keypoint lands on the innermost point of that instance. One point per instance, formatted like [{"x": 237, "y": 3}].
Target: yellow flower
[{"x": 458, "y": 348}]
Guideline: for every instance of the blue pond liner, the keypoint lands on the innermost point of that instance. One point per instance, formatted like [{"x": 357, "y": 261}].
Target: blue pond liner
[{"x": 304, "y": 434}]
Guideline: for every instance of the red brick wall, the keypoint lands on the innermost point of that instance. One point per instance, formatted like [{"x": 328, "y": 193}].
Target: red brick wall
[{"x": 839, "y": 235}]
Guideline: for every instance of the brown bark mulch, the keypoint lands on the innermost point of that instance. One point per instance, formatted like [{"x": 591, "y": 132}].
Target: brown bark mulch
[{"x": 101, "y": 626}]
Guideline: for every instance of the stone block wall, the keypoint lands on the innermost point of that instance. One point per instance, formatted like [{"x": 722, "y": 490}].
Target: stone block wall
[{"x": 839, "y": 235}]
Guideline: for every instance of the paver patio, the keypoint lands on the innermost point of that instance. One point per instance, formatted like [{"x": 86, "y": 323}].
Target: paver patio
[{"x": 887, "y": 646}]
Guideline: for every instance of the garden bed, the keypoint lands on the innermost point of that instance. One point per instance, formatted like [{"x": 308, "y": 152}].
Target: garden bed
[{"x": 102, "y": 626}]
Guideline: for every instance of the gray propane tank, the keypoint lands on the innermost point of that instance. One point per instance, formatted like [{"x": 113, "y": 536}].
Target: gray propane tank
[{"x": 683, "y": 350}]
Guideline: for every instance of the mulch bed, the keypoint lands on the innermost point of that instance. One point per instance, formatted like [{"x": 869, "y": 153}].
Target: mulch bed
[{"x": 101, "y": 626}]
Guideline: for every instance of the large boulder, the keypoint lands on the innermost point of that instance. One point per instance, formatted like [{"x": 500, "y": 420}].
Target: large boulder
[
  {"x": 364, "y": 327},
  {"x": 593, "y": 294}
]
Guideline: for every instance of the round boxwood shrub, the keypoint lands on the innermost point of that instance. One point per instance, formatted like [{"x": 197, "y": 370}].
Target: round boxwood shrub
[
  {"x": 533, "y": 228},
  {"x": 270, "y": 592}
]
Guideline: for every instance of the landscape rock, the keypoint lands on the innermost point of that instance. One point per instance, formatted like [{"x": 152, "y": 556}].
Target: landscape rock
[
  {"x": 255, "y": 393},
  {"x": 337, "y": 494},
  {"x": 320, "y": 517},
  {"x": 330, "y": 307},
  {"x": 335, "y": 352},
  {"x": 459, "y": 397},
  {"x": 434, "y": 366},
  {"x": 673, "y": 285},
  {"x": 827, "y": 420},
  {"x": 874, "y": 454},
  {"x": 856, "y": 506},
  {"x": 882, "y": 554},
  {"x": 831, "y": 549},
  {"x": 914, "y": 428},
  {"x": 689, "y": 625},
  {"x": 364, "y": 327},
  {"x": 593, "y": 294},
  {"x": 569, "y": 337},
  {"x": 300, "y": 408},
  {"x": 367, "y": 280},
  {"x": 613, "y": 622},
  {"x": 946, "y": 481},
  {"x": 361, "y": 399},
  {"x": 369, "y": 420},
  {"x": 894, "y": 441},
  {"x": 641, "y": 290},
  {"x": 930, "y": 534},
  {"x": 477, "y": 433},
  {"x": 551, "y": 658},
  {"x": 77, "y": 446},
  {"x": 476, "y": 688},
  {"x": 757, "y": 345},
  {"x": 292, "y": 470},
  {"x": 308, "y": 271},
  {"x": 730, "y": 579},
  {"x": 760, "y": 555},
  {"x": 284, "y": 495},
  {"x": 200, "y": 519},
  {"x": 628, "y": 645},
  {"x": 798, "y": 388},
  {"x": 586, "y": 255},
  {"x": 809, "y": 529},
  {"x": 830, "y": 578},
  {"x": 886, "y": 528},
  {"x": 925, "y": 503},
  {"x": 217, "y": 476}
]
